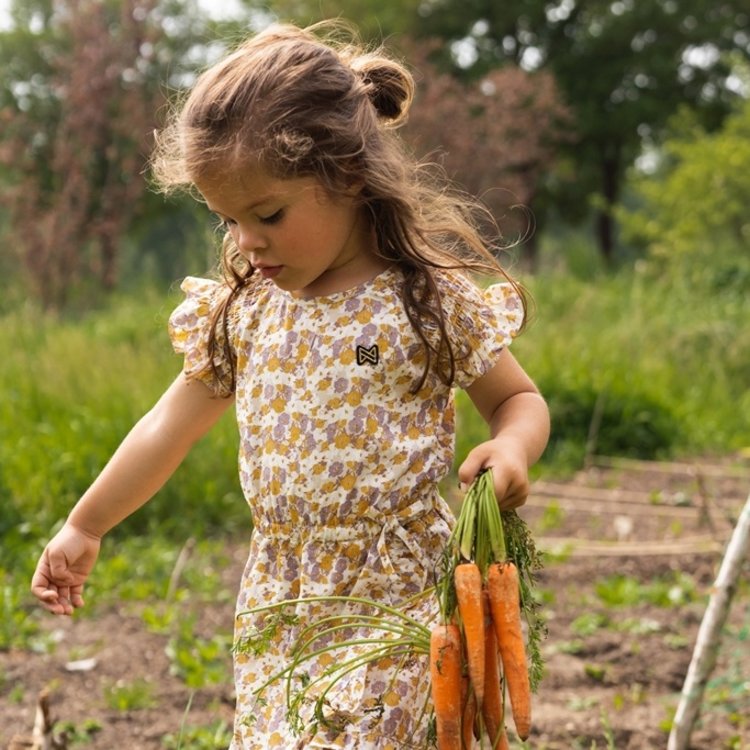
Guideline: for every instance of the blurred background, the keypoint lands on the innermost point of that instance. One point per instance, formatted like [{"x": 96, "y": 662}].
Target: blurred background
[{"x": 611, "y": 141}]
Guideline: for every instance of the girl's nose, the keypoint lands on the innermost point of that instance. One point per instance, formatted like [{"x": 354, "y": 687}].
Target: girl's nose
[{"x": 249, "y": 240}]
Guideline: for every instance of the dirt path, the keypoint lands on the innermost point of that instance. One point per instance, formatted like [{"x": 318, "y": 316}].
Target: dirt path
[{"x": 633, "y": 548}]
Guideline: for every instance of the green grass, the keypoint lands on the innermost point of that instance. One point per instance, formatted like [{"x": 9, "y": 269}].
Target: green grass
[
  {"x": 636, "y": 366},
  {"x": 72, "y": 389},
  {"x": 629, "y": 364}
]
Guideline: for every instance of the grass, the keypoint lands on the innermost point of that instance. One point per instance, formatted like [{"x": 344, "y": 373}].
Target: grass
[
  {"x": 130, "y": 696},
  {"x": 629, "y": 366}
]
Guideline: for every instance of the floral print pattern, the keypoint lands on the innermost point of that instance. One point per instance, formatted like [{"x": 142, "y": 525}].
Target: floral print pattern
[{"x": 340, "y": 464}]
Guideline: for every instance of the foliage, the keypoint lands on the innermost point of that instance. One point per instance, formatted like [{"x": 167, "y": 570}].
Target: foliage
[
  {"x": 79, "y": 99},
  {"x": 668, "y": 366},
  {"x": 501, "y": 139},
  {"x": 17, "y": 629},
  {"x": 214, "y": 736},
  {"x": 622, "y": 67},
  {"x": 72, "y": 389},
  {"x": 130, "y": 696},
  {"x": 692, "y": 214},
  {"x": 199, "y": 661},
  {"x": 81, "y": 733},
  {"x": 673, "y": 590}
]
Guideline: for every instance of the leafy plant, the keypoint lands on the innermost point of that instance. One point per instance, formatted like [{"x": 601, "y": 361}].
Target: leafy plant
[
  {"x": 588, "y": 623},
  {"x": 215, "y": 736},
  {"x": 668, "y": 591},
  {"x": 80, "y": 733},
  {"x": 130, "y": 696},
  {"x": 199, "y": 661}
]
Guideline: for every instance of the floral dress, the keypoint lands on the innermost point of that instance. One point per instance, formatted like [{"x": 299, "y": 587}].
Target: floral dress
[{"x": 339, "y": 462}]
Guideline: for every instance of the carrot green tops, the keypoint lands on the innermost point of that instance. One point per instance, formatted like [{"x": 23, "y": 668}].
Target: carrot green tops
[{"x": 339, "y": 463}]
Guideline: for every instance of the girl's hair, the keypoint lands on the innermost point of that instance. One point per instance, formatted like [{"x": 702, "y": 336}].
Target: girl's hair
[{"x": 305, "y": 105}]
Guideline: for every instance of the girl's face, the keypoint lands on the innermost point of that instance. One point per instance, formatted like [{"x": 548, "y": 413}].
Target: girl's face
[{"x": 293, "y": 232}]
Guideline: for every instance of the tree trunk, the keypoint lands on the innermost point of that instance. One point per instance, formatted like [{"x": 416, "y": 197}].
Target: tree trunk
[{"x": 605, "y": 225}]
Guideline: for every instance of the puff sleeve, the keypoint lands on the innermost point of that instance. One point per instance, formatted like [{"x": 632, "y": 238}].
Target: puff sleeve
[
  {"x": 481, "y": 323},
  {"x": 189, "y": 328}
]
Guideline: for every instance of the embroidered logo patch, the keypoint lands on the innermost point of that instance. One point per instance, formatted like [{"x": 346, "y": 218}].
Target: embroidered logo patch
[{"x": 368, "y": 355}]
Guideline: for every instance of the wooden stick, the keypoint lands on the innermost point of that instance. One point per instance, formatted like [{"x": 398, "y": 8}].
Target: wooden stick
[{"x": 709, "y": 635}]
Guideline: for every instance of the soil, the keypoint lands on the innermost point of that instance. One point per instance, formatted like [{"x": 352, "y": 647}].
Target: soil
[{"x": 615, "y": 660}]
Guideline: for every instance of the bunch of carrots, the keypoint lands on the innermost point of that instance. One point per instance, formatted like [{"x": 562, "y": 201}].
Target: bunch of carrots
[{"x": 478, "y": 651}]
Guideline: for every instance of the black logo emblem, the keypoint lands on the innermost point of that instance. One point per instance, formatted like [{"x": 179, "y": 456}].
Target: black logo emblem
[{"x": 368, "y": 355}]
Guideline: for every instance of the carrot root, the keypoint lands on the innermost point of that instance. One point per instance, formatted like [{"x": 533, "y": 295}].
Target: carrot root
[
  {"x": 502, "y": 587},
  {"x": 468, "y": 714},
  {"x": 468, "y": 583},
  {"x": 445, "y": 670}
]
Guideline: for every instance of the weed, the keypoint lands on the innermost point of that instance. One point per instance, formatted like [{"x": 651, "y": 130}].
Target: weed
[
  {"x": 582, "y": 703},
  {"x": 552, "y": 518},
  {"x": 19, "y": 625},
  {"x": 625, "y": 591},
  {"x": 637, "y": 625},
  {"x": 676, "y": 641},
  {"x": 596, "y": 672},
  {"x": 588, "y": 623},
  {"x": 160, "y": 618},
  {"x": 78, "y": 734},
  {"x": 130, "y": 696},
  {"x": 199, "y": 661},
  {"x": 215, "y": 736},
  {"x": 575, "y": 646},
  {"x": 609, "y": 735}
]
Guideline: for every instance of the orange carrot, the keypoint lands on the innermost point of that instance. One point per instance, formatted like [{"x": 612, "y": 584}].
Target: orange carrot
[
  {"x": 445, "y": 670},
  {"x": 502, "y": 587},
  {"x": 468, "y": 714},
  {"x": 468, "y": 583},
  {"x": 492, "y": 708}
]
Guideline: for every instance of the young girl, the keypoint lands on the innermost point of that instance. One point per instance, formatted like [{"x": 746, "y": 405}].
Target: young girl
[{"x": 345, "y": 316}]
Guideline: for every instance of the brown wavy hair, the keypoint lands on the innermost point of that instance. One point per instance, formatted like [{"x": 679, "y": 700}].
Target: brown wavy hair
[{"x": 309, "y": 103}]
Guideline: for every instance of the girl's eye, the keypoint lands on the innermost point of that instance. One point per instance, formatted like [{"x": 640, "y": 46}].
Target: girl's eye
[{"x": 274, "y": 218}]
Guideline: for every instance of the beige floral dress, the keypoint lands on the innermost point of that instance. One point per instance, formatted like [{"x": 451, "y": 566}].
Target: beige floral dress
[{"x": 340, "y": 464}]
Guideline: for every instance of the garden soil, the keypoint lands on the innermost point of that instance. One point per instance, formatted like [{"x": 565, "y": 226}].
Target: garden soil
[{"x": 633, "y": 549}]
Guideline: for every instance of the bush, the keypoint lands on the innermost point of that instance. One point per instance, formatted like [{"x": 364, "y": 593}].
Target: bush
[
  {"x": 618, "y": 423},
  {"x": 692, "y": 214}
]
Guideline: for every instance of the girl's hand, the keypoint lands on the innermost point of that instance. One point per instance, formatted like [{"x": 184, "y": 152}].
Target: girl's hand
[
  {"x": 509, "y": 463},
  {"x": 63, "y": 568}
]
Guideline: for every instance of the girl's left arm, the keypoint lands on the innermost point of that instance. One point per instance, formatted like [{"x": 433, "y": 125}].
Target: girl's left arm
[{"x": 518, "y": 419}]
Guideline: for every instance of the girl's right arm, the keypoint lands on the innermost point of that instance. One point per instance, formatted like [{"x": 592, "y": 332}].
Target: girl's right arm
[{"x": 144, "y": 461}]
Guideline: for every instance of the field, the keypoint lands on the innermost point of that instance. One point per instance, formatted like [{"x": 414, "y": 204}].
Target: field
[
  {"x": 632, "y": 366},
  {"x": 632, "y": 550}
]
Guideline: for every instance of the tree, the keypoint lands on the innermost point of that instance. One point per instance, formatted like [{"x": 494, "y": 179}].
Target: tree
[
  {"x": 691, "y": 215},
  {"x": 495, "y": 137},
  {"x": 78, "y": 102},
  {"x": 623, "y": 67}
]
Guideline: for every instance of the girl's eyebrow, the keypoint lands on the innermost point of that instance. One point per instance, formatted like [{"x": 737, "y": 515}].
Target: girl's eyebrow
[{"x": 250, "y": 206}]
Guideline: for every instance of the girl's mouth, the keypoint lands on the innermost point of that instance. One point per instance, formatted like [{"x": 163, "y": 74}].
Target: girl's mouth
[{"x": 268, "y": 272}]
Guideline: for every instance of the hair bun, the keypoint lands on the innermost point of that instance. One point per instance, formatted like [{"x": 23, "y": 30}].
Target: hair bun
[{"x": 389, "y": 85}]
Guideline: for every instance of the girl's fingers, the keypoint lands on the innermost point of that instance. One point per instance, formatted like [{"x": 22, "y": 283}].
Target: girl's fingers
[{"x": 76, "y": 596}]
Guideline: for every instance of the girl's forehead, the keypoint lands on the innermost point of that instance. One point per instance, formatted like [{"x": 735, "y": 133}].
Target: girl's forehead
[{"x": 246, "y": 188}]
